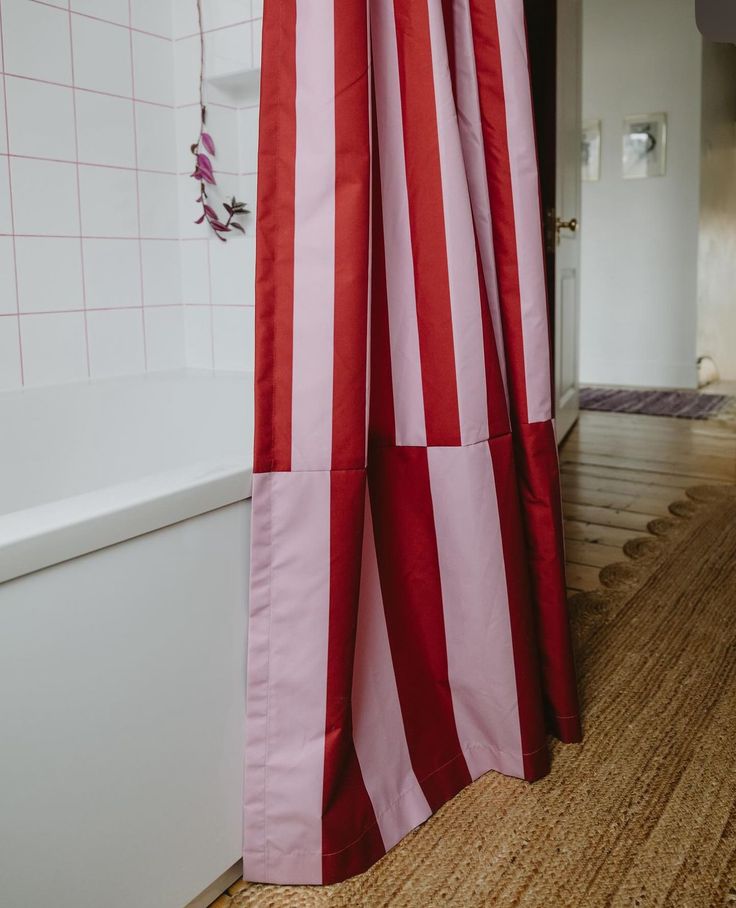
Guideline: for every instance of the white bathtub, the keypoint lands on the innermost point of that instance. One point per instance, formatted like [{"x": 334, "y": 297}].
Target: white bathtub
[{"x": 124, "y": 535}]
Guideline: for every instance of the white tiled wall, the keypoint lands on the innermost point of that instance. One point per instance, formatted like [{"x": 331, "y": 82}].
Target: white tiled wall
[{"x": 102, "y": 271}]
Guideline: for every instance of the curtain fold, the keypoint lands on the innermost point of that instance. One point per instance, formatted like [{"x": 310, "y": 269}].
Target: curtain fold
[{"x": 408, "y": 628}]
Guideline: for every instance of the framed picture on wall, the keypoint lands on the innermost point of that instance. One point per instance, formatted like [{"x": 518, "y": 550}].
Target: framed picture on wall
[
  {"x": 590, "y": 152},
  {"x": 644, "y": 146}
]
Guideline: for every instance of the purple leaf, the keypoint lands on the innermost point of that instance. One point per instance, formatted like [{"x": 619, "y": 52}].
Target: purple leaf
[
  {"x": 204, "y": 163},
  {"x": 237, "y": 226},
  {"x": 219, "y": 227},
  {"x": 211, "y": 213},
  {"x": 208, "y": 143},
  {"x": 199, "y": 220},
  {"x": 204, "y": 168}
]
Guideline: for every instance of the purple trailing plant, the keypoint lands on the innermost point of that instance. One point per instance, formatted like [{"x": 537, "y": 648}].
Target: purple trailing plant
[{"x": 204, "y": 150}]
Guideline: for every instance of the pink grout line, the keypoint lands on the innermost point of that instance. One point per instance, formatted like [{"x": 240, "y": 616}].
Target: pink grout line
[
  {"x": 92, "y": 91},
  {"x": 12, "y": 206},
  {"x": 95, "y": 236},
  {"x": 36, "y": 157},
  {"x": 219, "y": 28},
  {"x": 82, "y": 15},
  {"x": 137, "y": 308},
  {"x": 137, "y": 191},
  {"x": 79, "y": 194},
  {"x": 134, "y": 308},
  {"x": 218, "y": 104}
]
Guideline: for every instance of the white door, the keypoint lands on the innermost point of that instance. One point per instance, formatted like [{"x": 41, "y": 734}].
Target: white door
[{"x": 566, "y": 217}]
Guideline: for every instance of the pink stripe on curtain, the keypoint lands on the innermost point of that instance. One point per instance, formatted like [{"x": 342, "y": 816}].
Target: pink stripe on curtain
[
  {"x": 479, "y": 645},
  {"x": 406, "y": 366},
  {"x": 287, "y": 683},
  {"x": 380, "y": 739},
  {"x": 314, "y": 239}
]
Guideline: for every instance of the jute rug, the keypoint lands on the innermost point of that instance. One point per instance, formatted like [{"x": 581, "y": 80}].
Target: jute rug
[{"x": 644, "y": 811}]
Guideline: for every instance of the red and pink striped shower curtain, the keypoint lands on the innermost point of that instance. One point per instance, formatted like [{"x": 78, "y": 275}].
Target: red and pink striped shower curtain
[{"x": 408, "y": 627}]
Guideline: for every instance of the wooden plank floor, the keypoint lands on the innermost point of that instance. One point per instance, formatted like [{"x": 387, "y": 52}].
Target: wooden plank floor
[{"x": 619, "y": 471}]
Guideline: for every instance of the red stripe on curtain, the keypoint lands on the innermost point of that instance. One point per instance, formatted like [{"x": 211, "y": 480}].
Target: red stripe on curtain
[
  {"x": 408, "y": 565},
  {"x": 275, "y": 248},
  {"x": 352, "y": 224},
  {"x": 382, "y": 422},
  {"x": 426, "y": 219},
  {"x": 498, "y": 171},
  {"x": 536, "y": 453},
  {"x": 347, "y": 811}
]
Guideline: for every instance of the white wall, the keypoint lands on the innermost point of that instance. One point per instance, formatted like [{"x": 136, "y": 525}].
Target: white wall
[
  {"x": 89, "y": 281},
  {"x": 101, "y": 270},
  {"x": 639, "y": 237},
  {"x": 717, "y": 244}
]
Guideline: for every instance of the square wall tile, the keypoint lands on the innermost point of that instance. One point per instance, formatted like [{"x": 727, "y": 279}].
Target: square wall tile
[
  {"x": 221, "y": 13},
  {"x": 49, "y": 273},
  {"x": 249, "y": 195},
  {"x": 155, "y": 16},
  {"x": 3, "y": 132},
  {"x": 8, "y": 298},
  {"x": 6, "y": 220},
  {"x": 249, "y": 264},
  {"x": 198, "y": 328},
  {"x": 105, "y": 129},
  {"x": 185, "y": 19},
  {"x": 37, "y": 41},
  {"x": 229, "y": 49},
  {"x": 257, "y": 9},
  {"x": 257, "y": 35},
  {"x": 153, "y": 66},
  {"x": 115, "y": 342},
  {"x": 233, "y": 335},
  {"x": 161, "y": 274},
  {"x": 40, "y": 119},
  {"x": 109, "y": 202},
  {"x": 54, "y": 348},
  {"x": 109, "y": 10},
  {"x": 165, "y": 337},
  {"x": 45, "y": 197},
  {"x": 187, "y": 131},
  {"x": 189, "y": 210},
  {"x": 228, "y": 274},
  {"x": 186, "y": 71},
  {"x": 195, "y": 282},
  {"x": 158, "y": 200},
  {"x": 248, "y": 139},
  {"x": 10, "y": 376},
  {"x": 156, "y": 129},
  {"x": 112, "y": 273},
  {"x": 101, "y": 56}
]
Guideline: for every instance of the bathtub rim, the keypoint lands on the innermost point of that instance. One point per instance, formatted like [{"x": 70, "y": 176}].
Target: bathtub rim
[{"x": 38, "y": 537}]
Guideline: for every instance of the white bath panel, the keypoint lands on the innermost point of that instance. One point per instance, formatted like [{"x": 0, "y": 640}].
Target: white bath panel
[{"x": 122, "y": 703}]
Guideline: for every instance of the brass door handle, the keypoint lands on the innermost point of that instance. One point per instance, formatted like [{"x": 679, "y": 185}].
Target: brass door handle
[{"x": 571, "y": 225}]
